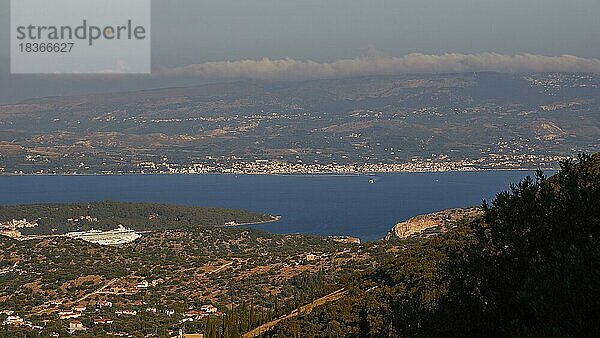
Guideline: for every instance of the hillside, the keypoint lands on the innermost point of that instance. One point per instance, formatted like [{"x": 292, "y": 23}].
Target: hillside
[
  {"x": 423, "y": 122},
  {"x": 184, "y": 260},
  {"x": 527, "y": 267},
  {"x": 107, "y": 215}
]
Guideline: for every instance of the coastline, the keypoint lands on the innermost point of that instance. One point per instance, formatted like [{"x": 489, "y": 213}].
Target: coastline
[
  {"x": 290, "y": 174},
  {"x": 274, "y": 218}
]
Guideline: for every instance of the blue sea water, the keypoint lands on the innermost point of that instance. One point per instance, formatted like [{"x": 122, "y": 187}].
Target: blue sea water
[{"x": 309, "y": 204}]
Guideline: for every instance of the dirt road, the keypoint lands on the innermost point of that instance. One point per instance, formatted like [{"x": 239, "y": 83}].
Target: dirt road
[{"x": 302, "y": 310}]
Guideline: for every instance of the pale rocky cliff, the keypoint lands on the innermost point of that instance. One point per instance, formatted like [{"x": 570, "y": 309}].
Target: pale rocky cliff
[{"x": 434, "y": 223}]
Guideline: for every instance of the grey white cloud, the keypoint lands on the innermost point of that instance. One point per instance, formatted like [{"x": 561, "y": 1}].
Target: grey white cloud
[{"x": 379, "y": 64}]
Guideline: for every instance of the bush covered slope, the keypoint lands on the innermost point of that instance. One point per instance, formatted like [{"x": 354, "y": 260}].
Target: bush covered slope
[
  {"x": 528, "y": 267},
  {"x": 138, "y": 216}
]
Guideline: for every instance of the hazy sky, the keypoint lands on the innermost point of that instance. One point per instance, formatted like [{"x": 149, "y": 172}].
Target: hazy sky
[
  {"x": 330, "y": 29},
  {"x": 198, "y": 31}
]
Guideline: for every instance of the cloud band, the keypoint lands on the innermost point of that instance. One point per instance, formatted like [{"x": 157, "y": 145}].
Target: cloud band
[{"x": 377, "y": 64}]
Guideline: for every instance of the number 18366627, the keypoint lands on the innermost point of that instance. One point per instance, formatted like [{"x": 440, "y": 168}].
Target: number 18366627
[{"x": 49, "y": 47}]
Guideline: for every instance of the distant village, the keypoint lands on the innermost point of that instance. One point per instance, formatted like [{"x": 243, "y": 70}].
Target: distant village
[
  {"x": 502, "y": 160},
  {"x": 435, "y": 164},
  {"x": 82, "y": 314},
  {"x": 95, "y": 309}
]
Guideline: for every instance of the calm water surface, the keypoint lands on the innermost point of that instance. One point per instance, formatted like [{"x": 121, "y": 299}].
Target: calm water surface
[{"x": 324, "y": 205}]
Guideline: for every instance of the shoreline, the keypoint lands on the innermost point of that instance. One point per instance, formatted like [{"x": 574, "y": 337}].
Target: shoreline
[
  {"x": 274, "y": 218},
  {"x": 291, "y": 174}
]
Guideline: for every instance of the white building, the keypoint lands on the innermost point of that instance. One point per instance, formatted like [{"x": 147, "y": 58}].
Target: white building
[
  {"x": 76, "y": 325},
  {"x": 208, "y": 308},
  {"x": 13, "y": 320}
]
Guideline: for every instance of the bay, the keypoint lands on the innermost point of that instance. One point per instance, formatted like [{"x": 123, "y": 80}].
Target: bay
[{"x": 363, "y": 206}]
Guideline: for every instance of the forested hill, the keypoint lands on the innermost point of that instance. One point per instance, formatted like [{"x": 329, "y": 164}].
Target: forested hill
[
  {"x": 528, "y": 267},
  {"x": 107, "y": 215}
]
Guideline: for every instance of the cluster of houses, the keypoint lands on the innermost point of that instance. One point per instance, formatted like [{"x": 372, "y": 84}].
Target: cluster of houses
[
  {"x": 18, "y": 224},
  {"x": 16, "y": 320},
  {"x": 82, "y": 218},
  {"x": 126, "y": 312},
  {"x": 77, "y": 311},
  {"x": 190, "y": 315},
  {"x": 305, "y": 259},
  {"x": 205, "y": 310},
  {"x": 12, "y": 319},
  {"x": 74, "y": 314},
  {"x": 11, "y": 228},
  {"x": 76, "y": 325},
  {"x": 131, "y": 288}
]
